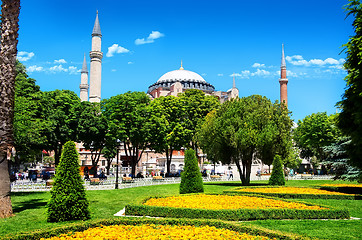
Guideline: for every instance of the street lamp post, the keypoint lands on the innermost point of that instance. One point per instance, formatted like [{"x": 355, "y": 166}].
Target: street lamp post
[{"x": 116, "y": 187}]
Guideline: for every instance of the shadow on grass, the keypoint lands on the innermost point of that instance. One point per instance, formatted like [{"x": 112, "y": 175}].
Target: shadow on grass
[
  {"x": 30, "y": 204},
  {"x": 236, "y": 184}
]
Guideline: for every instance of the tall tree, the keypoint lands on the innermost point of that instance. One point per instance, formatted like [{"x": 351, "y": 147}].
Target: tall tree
[
  {"x": 61, "y": 113},
  {"x": 350, "y": 118},
  {"x": 167, "y": 126},
  {"x": 92, "y": 129},
  {"x": 128, "y": 118},
  {"x": 315, "y": 132},
  {"x": 10, "y": 10},
  {"x": 29, "y": 125},
  {"x": 197, "y": 105},
  {"x": 242, "y": 128}
]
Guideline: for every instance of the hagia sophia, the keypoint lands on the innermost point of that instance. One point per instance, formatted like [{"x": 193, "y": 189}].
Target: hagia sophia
[{"x": 171, "y": 83}]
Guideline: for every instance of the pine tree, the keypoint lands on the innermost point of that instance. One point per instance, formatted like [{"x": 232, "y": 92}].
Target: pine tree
[
  {"x": 277, "y": 176},
  {"x": 68, "y": 199},
  {"x": 191, "y": 180}
]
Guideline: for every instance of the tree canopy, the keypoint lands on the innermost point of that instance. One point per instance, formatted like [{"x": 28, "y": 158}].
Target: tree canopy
[
  {"x": 350, "y": 118},
  {"x": 242, "y": 129},
  {"x": 128, "y": 118}
]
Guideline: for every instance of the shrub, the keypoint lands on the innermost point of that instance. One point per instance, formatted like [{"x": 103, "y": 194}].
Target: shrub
[
  {"x": 277, "y": 175},
  {"x": 191, "y": 180},
  {"x": 68, "y": 200}
]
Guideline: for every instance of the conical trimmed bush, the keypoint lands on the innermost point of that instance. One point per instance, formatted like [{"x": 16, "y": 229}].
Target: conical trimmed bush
[
  {"x": 191, "y": 180},
  {"x": 277, "y": 175},
  {"x": 68, "y": 199}
]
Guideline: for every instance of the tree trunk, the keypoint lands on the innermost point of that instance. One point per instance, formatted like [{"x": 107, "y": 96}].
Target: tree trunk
[
  {"x": 109, "y": 162},
  {"x": 8, "y": 49}
]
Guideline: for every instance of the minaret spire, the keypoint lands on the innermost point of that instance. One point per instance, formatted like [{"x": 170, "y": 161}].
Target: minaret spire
[
  {"x": 97, "y": 27},
  {"x": 283, "y": 81},
  {"x": 84, "y": 82}
]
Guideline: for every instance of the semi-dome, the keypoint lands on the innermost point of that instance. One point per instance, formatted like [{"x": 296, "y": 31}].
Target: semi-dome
[{"x": 181, "y": 75}]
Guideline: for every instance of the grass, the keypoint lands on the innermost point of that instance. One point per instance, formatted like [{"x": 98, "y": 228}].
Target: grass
[{"x": 30, "y": 210}]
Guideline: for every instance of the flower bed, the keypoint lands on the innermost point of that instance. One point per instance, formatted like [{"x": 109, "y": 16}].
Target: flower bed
[
  {"x": 70, "y": 228},
  {"x": 152, "y": 231},
  {"x": 291, "y": 192},
  {"x": 233, "y": 208}
]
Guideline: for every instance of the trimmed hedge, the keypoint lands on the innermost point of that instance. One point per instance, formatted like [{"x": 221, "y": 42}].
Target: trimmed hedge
[
  {"x": 277, "y": 175},
  {"x": 81, "y": 226},
  {"x": 293, "y": 195},
  {"x": 236, "y": 214},
  {"x": 348, "y": 190}
]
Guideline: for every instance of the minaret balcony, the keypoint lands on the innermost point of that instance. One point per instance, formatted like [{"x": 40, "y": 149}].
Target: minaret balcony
[
  {"x": 84, "y": 86},
  {"x": 96, "y": 54}
]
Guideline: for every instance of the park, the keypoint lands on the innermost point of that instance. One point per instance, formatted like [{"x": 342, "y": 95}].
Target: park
[{"x": 183, "y": 160}]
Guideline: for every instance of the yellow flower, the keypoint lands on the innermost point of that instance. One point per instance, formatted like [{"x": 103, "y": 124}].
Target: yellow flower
[
  {"x": 153, "y": 232},
  {"x": 290, "y": 190},
  {"x": 217, "y": 202}
]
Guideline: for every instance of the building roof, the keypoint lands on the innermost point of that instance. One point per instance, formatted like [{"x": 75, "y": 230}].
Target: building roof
[{"x": 181, "y": 75}]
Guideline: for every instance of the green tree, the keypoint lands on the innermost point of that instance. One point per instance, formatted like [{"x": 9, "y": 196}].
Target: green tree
[
  {"x": 197, "y": 105},
  {"x": 191, "y": 180},
  {"x": 68, "y": 199},
  {"x": 128, "y": 117},
  {"x": 60, "y": 112},
  {"x": 10, "y": 10},
  {"x": 315, "y": 132},
  {"x": 350, "y": 118},
  {"x": 29, "y": 126},
  {"x": 242, "y": 129},
  {"x": 92, "y": 129},
  {"x": 337, "y": 160},
  {"x": 277, "y": 175},
  {"x": 110, "y": 150},
  {"x": 167, "y": 126}
]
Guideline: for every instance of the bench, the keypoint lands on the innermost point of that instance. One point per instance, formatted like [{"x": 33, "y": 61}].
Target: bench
[
  {"x": 215, "y": 177},
  {"x": 127, "y": 180},
  {"x": 306, "y": 176},
  {"x": 157, "y": 178},
  {"x": 95, "y": 181}
]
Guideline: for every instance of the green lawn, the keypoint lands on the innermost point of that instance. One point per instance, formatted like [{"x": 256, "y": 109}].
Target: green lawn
[{"x": 30, "y": 210}]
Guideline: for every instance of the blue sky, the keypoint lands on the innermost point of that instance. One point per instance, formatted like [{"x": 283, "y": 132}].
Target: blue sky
[{"x": 142, "y": 40}]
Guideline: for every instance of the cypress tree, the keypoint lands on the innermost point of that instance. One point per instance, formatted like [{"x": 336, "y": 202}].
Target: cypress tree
[
  {"x": 68, "y": 199},
  {"x": 277, "y": 176},
  {"x": 191, "y": 180}
]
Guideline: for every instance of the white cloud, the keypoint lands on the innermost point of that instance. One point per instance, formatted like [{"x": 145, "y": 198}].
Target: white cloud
[
  {"x": 130, "y": 63},
  {"x": 150, "y": 39},
  {"x": 24, "y": 56},
  {"x": 203, "y": 74},
  {"x": 258, "y": 65},
  {"x": 220, "y": 75},
  {"x": 261, "y": 72},
  {"x": 61, "y": 61},
  {"x": 34, "y": 68},
  {"x": 298, "y": 60},
  {"x": 113, "y": 70},
  {"x": 115, "y": 48},
  {"x": 73, "y": 70},
  {"x": 58, "y": 68}
]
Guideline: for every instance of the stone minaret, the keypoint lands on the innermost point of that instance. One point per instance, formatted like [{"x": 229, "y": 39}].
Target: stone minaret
[
  {"x": 283, "y": 80},
  {"x": 84, "y": 82},
  {"x": 96, "y": 64}
]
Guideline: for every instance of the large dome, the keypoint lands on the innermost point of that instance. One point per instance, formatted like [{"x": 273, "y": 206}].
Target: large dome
[
  {"x": 181, "y": 75},
  {"x": 188, "y": 80}
]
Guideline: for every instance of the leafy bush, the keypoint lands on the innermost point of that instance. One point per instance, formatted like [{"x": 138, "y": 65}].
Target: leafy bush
[
  {"x": 68, "y": 200},
  {"x": 277, "y": 175},
  {"x": 191, "y": 180}
]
